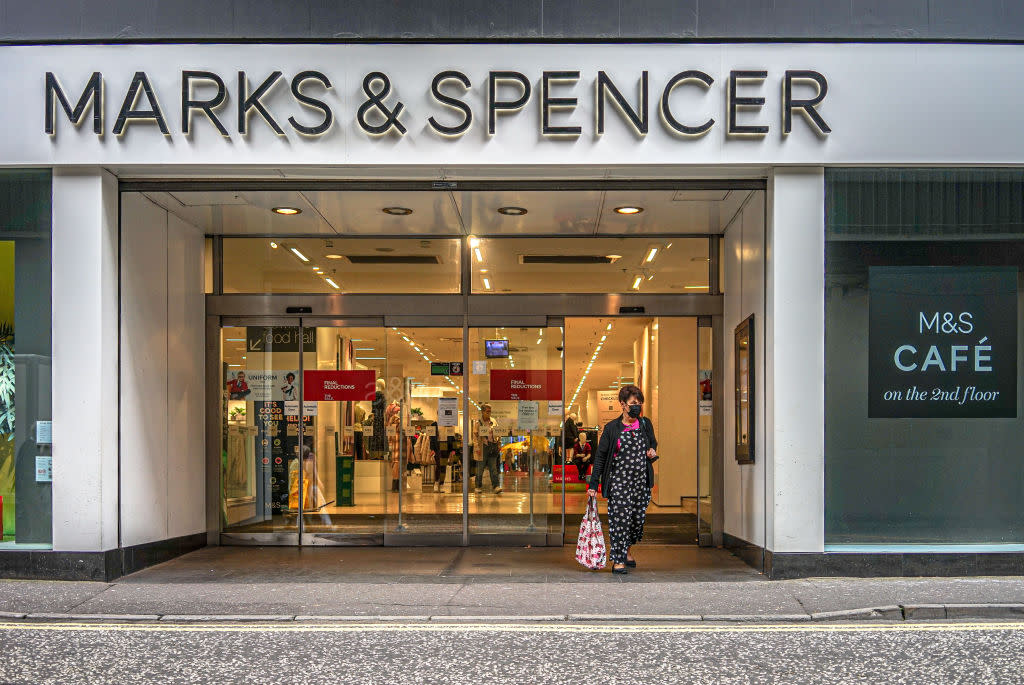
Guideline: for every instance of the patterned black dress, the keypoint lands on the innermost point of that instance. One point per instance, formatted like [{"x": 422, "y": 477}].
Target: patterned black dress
[{"x": 627, "y": 495}]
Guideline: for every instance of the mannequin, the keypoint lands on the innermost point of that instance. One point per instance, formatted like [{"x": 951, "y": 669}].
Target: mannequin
[
  {"x": 358, "y": 416},
  {"x": 379, "y": 440},
  {"x": 570, "y": 431},
  {"x": 393, "y": 417}
]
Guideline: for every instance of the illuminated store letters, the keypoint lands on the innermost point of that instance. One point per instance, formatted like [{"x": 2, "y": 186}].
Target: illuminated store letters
[{"x": 379, "y": 112}]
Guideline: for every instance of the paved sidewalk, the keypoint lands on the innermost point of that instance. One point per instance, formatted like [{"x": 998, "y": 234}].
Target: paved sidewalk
[{"x": 444, "y": 584}]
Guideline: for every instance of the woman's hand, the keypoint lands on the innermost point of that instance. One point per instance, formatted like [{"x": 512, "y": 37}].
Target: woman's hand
[
  {"x": 591, "y": 492},
  {"x": 651, "y": 454}
]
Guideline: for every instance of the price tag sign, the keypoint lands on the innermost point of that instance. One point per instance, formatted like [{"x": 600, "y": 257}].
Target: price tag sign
[
  {"x": 44, "y": 432},
  {"x": 368, "y": 431},
  {"x": 44, "y": 469}
]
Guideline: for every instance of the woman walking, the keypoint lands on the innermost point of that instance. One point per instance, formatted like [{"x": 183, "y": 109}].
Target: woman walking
[{"x": 623, "y": 468}]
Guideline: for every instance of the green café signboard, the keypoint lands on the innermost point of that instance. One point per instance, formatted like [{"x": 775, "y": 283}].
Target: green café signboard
[{"x": 942, "y": 342}]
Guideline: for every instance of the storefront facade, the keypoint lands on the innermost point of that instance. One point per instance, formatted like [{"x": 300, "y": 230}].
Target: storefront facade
[{"x": 877, "y": 179}]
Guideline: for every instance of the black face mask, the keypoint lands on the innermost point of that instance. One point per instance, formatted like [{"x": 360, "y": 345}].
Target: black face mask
[{"x": 634, "y": 410}]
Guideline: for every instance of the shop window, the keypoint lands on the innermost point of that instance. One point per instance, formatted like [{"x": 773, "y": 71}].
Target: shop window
[
  {"x": 590, "y": 265},
  {"x": 25, "y": 461},
  {"x": 923, "y": 336},
  {"x": 341, "y": 265}
]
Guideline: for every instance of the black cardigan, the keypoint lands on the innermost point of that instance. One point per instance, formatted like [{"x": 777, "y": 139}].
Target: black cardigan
[{"x": 606, "y": 449}]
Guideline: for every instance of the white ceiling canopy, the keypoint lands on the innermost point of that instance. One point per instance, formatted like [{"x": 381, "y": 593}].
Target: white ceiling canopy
[{"x": 506, "y": 212}]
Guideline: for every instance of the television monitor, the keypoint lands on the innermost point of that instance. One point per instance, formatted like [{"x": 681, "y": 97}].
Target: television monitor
[{"x": 495, "y": 348}]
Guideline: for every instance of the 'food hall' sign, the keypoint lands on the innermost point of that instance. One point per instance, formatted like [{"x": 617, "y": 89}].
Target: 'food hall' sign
[
  {"x": 233, "y": 103},
  {"x": 942, "y": 342}
]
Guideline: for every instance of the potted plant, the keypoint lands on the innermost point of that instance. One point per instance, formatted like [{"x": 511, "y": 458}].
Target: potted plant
[{"x": 237, "y": 414}]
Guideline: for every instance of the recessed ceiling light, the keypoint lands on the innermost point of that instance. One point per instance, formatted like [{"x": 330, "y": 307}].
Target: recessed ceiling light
[
  {"x": 333, "y": 256},
  {"x": 299, "y": 254},
  {"x": 628, "y": 210},
  {"x": 512, "y": 211},
  {"x": 336, "y": 287},
  {"x": 612, "y": 257},
  {"x": 483, "y": 271},
  {"x": 397, "y": 211},
  {"x": 636, "y": 282},
  {"x": 273, "y": 244},
  {"x": 286, "y": 211}
]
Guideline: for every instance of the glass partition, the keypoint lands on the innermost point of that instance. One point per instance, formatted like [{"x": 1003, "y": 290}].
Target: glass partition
[
  {"x": 341, "y": 265},
  {"x": 25, "y": 359},
  {"x": 516, "y": 391},
  {"x": 923, "y": 268},
  {"x": 590, "y": 265}
]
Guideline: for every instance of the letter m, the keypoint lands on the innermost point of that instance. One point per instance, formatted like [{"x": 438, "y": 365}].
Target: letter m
[
  {"x": 93, "y": 94},
  {"x": 924, "y": 324}
]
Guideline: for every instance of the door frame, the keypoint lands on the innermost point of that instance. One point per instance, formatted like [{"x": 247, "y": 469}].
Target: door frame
[{"x": 463, "y": 311}]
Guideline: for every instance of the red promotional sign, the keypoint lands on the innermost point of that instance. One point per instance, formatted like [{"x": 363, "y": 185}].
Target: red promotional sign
[
  {"x": 338, "y": 386},
  {"x": 513, "y": 384}
]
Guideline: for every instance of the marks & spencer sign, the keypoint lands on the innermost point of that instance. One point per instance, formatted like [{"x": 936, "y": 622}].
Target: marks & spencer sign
[
  {"x": 231, "y": 103},
  {"x": 942, "y": 342}
]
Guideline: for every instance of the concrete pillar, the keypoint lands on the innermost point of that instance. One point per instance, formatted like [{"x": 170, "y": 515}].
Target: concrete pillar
[
  {"x": 795, "y": 346},
  {"x": 85, "y": 360}
]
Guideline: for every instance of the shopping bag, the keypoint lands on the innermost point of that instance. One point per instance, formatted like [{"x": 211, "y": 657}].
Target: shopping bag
[{"x": 590, "y": 549}]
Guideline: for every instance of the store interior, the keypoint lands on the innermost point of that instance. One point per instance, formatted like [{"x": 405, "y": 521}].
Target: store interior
[{"x": 405, "y": 470}]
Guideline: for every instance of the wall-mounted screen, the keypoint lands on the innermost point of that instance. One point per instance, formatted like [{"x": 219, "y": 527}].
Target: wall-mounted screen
[{"x": 495, "y": 348}]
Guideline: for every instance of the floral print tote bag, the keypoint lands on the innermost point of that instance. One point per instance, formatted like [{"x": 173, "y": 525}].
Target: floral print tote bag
[{"x": 590, "y": 547}]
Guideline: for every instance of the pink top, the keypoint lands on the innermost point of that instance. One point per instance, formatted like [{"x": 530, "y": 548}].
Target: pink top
[{"x": 631, "y": 427}]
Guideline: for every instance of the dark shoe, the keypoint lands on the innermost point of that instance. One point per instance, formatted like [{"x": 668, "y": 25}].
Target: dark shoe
[
  {"x": 620, "y": 571},
  {"x": 631, "y": 563}
]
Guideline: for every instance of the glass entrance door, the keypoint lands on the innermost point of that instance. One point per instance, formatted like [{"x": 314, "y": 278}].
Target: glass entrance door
[
  {"x": 516, "y": 405},
  {"x": 354, "y": 440},
  {"x": 263, "y": 430}
]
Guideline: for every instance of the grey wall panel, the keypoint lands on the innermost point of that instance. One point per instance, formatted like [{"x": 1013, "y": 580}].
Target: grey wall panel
[{"x": 75, "y": 20}]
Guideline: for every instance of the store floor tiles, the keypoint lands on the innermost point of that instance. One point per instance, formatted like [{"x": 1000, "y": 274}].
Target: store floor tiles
[{"x": 666, "y": 563}]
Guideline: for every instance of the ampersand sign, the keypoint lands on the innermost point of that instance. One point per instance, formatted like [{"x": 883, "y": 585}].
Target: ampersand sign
[{"x": 376, "y": 101}]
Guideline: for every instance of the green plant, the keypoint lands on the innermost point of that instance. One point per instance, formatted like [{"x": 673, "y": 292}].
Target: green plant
[
  {"x": 416, "y": 411},
  {"x": 7, "y": 379},
  {"x": 238, "y": 413}
]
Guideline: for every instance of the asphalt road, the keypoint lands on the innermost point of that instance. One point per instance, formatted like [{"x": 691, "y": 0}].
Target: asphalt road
[{"x": 512, "y": 653}]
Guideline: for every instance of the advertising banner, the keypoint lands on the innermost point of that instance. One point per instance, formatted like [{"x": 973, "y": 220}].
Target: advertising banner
[
  {"x": 253, "y": 385},
  {"x": 339, "y": 386},
  {"x": 270, "y": 454},
  {"x": 942, "y": 342},
  {"x": 515, "y": 384}
]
